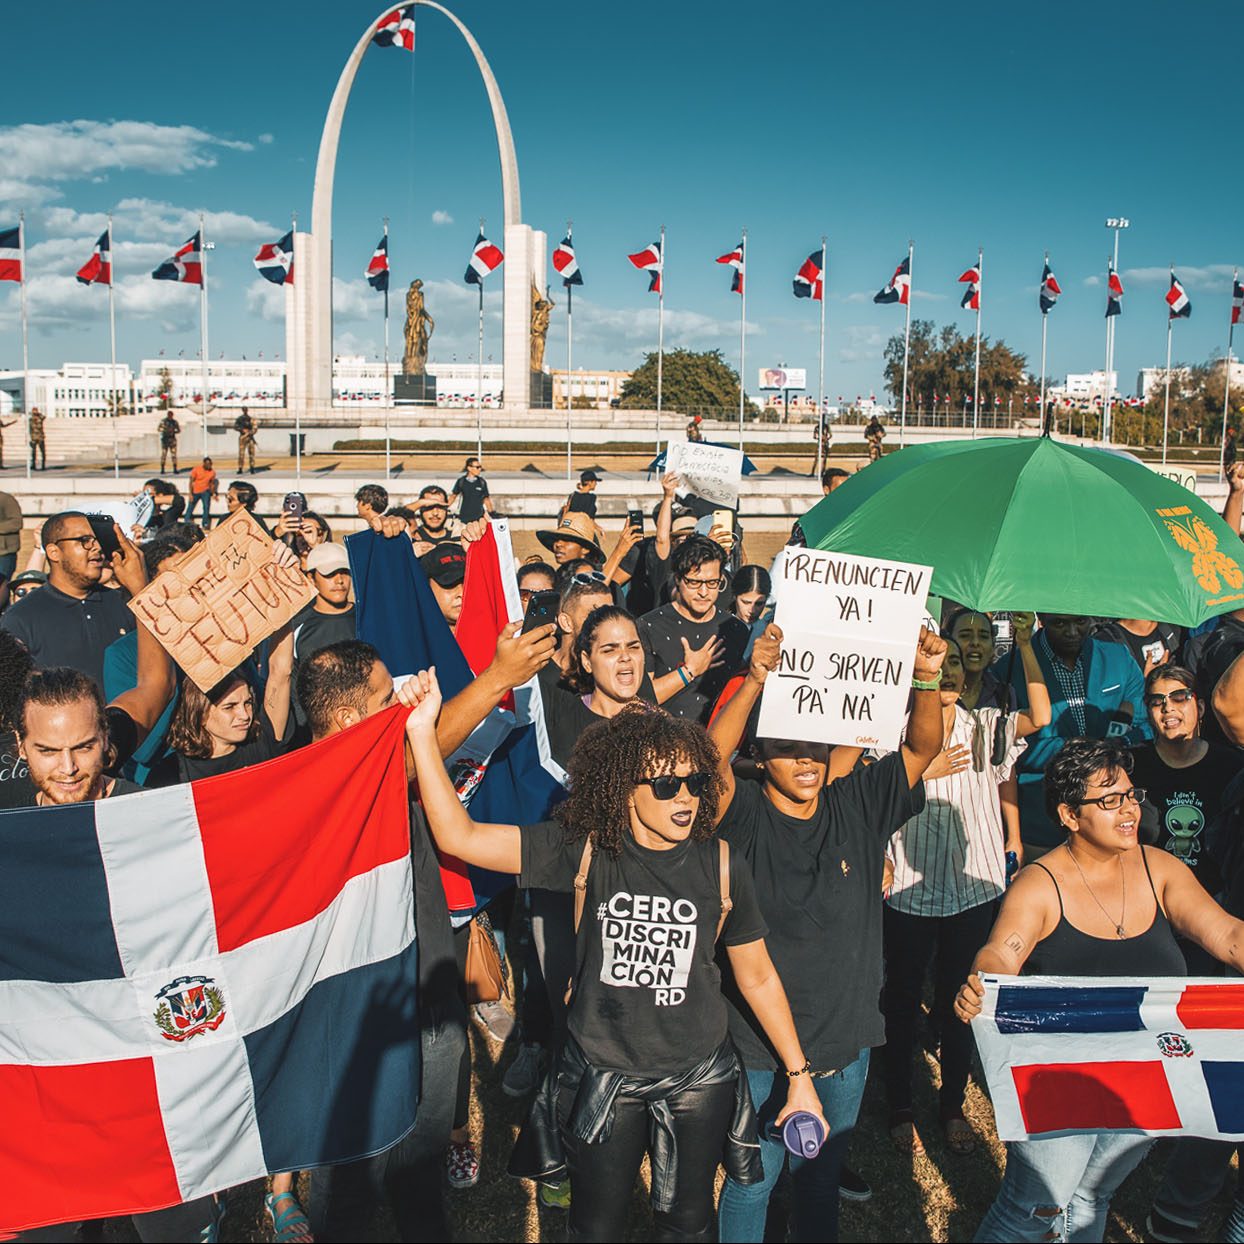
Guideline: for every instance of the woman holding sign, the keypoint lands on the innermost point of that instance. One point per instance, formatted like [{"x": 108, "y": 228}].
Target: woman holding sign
[{"x": 814, "y": 832}]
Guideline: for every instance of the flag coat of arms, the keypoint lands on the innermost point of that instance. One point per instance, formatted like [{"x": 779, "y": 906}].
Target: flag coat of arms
[
  {"x": 736, "y": 259},
  {"x": 1163, "y": 1056},
  {"x": 275, "y": 260},
  {"x": 185, "y": 265},
  {"x": 809, "y": 281},
  {"x": 11, "y": 254},
  {"x": 98, "y": 269},
  {"x": 566, "y": 264},
  {"x": 1114, "y": 294},
  {"x": 899, "y": 287},
  {"x": 205, "y": 983},
  {"x": 1177, "y": 299},
  {"x": 485, "y": 258},
  {"x": 971, "y": 299},
  {"x": 649, "y": 260},
  {"x": 1049, "y": 289},
  {"x": 397, "y": 29},
  {"x": 378, "y": 267}
]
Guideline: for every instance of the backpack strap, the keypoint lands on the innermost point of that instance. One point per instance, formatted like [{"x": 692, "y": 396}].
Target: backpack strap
[
  {"x": 724, "y": 874},
  {"x": 580, "y": 882}
]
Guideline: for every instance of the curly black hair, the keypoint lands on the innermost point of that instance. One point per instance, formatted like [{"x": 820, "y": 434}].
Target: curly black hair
[
  {"x": 1067, "y": 775},
  {"x": 15, "y": 663},
  {"x": 611, "y": 758}
]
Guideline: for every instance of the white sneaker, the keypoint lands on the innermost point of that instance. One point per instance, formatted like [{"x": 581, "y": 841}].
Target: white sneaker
[{"x": 523, "y": 1075}]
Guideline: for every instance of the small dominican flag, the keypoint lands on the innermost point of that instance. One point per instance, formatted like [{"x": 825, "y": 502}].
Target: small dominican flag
[
  {"x": 1114, "y": 294},
  {"x": 737, "y": 260},
  {"x": 649, "y": 260},
  {"x": 1237, "y": 300},
  {"x": 397, "y": 29},
  {"x": 899, "y": 287},
  {"x": 810, "y": 279},
  {"x": 1049, "y": 288},
  {"x": 11, "y": 254},
  {"x": 1163, "y": 1056},
  {"x": 378, "y": 269},
  {"x": 1177, "y": 299},
  {"x": 98, "y": 269},
  {"x": 566, "y": 264},
  {"x": 485, "y": 258},
  {"x": 186, "y": 264},
  {"x": 971, "y": 299},
  {"x": 275, "y": 260}
]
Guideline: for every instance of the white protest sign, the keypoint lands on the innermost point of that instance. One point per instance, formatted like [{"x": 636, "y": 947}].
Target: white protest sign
[
  {"x": 709, "y": 471},
  {"x": 849, "y": 630},
  {"x": 1180, "y": 475},
  {"x": 129, "y": 514}
]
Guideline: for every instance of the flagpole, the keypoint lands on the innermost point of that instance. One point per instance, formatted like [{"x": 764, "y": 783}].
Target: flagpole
[
  {"x": 976, "y": 381},
  {"x": 902, "y": 423},
  {"x": 569, "y": 347},
  {"x": 21, "y": 235},
  {"x": 1166, "y": 409},
  {"x": 660, "y": 337},
  {"x": 479, "y": 369},
  {"x": 112, "y": 334},
  {"x": 388, "y": 388},
  {"x": 289, "y": 362},
  {"x": 203, "y": 320},
  {"x": 1105, "y": 415},
  {"x": 1226, "y": 394},
  {"x": 1045, "y": 319},
  {"x": 820, "y": 400},
  {"x": 742, "y": 330}
]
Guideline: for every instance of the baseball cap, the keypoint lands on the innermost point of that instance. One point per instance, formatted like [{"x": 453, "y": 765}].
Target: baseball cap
[
  {"x": 445, "y": 564},
  {"x": 589, "y": 477},
  {"x": 328, "y": 558},
  {"x": 28, "y": 576},
  {"x": 681, "y": 523}
]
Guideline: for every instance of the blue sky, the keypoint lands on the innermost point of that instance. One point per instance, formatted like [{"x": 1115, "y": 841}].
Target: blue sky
[{"x": 1019, "y": 128}]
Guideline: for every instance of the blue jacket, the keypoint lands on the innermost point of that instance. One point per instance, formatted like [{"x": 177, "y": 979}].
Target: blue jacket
[{"x": 1112, "y": 678}]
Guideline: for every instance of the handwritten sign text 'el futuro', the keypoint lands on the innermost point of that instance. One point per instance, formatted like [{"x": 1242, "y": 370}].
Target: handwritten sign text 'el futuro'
[
  {"x": 220, "y": 599},
  {"x": 849, "y": 630}
]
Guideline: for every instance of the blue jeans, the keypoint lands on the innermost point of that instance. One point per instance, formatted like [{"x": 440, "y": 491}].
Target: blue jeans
[
  {"x": 742, "y": 1210},
  {"x": 197, "y": 498},
  {"x": 1060, "y": 1187}
]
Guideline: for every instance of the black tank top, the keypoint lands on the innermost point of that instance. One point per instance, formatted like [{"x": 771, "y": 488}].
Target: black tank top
[{"x": 1069, "y": 952}]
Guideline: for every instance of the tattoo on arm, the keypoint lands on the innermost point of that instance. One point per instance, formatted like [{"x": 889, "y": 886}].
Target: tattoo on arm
[{"x": 1015, "y": 944}]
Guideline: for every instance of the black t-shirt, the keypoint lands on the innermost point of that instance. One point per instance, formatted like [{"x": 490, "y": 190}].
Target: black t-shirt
[
  {"x": 1209, "y": 657},
  {"x": 1160, "y": 646},
  {"x": 582, "y": 503},
  {"x": 818, "y": 883},
  {"x": 59, "y": 629},
  {"x": 1181, "y": 805},
  {"x": 662, "y": 632},
  {"x": 472, "y": 492},
  {"x": 647, "y": 991},
  {"x": 566, "y": 716},
  {"x": 314, "y": 630},
  {"x": 265, "y": 746},
  {"x": 648, "y": 574},
  {"x": 16, "y": 788},
  {"x": 439, "y": 996}
]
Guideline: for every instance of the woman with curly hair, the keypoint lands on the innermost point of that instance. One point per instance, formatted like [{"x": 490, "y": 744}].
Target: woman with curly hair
[{"x": 647, "y": 1065}]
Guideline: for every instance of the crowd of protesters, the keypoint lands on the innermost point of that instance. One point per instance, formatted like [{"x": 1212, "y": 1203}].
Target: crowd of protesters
[{"x": 1067, "y": 798}]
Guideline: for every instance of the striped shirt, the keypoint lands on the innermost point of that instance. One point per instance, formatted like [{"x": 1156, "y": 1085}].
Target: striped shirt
[{"x": 951, "y": 856}]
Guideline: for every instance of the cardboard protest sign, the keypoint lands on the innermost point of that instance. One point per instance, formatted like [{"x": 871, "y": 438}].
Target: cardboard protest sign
[
  {"x": 849, "y": 627},
  {"x": 709, "y": 471},
  {"x": 221, "y": 599}
]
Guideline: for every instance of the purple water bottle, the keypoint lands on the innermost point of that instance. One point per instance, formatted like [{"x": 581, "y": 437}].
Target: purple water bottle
[{"x": 803, "y": 1134}]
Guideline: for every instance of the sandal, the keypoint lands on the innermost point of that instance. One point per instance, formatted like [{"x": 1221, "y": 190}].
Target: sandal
[
  {"x": 289, "y": 1225},
  {"x": 960, "y": 1138},
  {"x": 903, "y": 1133}
]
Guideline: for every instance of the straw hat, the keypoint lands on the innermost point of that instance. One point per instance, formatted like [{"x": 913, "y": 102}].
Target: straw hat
[{"x": 574, "y": 526}]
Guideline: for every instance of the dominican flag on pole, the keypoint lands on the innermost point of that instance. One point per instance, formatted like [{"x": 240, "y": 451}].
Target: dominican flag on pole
[
  {"x": 1177, "y": 299},
  {"x": 971, "y": 299},
  {"x": 1237, "y": 300},
  {"x": 810, "y": 279},
  {"x": 188, "y": 1004},
  {"x": 1114, "y": 294},
  {"x": 1049, "y": 288},
  {"x": 485, "y": 258},
  {"x": 186, "y": 264},
  {"x": 397, "y": 29},
  {"x": 98, "y": 269},
  {"x": 566, "y": 264},
  {"x": 275, "y": 260},
  {"x": 11, "y": 254},
  {"x": 737, "y": 260},
  {"x": 1163, "y": 1056},
  {"x": 649, "y": 260},
  {"x": 899, "y": 287},
  {"x": 378, "y": 269}
]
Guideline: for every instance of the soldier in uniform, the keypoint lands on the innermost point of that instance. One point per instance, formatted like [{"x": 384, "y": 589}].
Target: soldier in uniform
[
  {"x": 245, "y": 427},
  {"x": 170, "y": 430},
  {"x": 38, "y": 447}
]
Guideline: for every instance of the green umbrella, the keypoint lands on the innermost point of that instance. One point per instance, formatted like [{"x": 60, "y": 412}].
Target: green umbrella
[{"x": 1033, "y": 524}]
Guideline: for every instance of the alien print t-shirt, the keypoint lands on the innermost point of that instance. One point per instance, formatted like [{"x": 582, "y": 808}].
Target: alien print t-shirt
[{"x": 647, "y": 993}]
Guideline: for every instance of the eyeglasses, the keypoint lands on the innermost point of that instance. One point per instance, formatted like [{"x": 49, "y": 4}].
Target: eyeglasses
[
  {"x": 588, "y": 578},
  {"x": 668, "y": 785},
  {"x": 1158, "y": 700},
  {"x": 705, "y": 585},
  {"x": 1117, "y": 798},
  {"x": 87, "y": 542}
]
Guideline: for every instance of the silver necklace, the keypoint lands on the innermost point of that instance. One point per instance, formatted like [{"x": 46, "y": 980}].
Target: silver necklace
[{"x": 1118, "y": 925}]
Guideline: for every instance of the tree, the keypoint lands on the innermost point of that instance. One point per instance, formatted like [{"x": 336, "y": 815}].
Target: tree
[
  {"x": 1197, "y": 394},
  {"x": 690, "y": 381}
]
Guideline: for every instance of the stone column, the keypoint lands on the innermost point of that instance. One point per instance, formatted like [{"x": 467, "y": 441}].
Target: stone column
[{"x": 516, "y": 334}]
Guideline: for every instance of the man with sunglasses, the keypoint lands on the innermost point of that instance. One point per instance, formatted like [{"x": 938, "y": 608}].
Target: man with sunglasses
[{"x": 71, "y": 619}]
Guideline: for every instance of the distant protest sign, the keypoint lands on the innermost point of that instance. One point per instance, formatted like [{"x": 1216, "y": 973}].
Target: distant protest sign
[
  {"x": 849, "y": 629},
  {"x": 221, "y": 599},
  {"x": 1180, "y": 475},
  {"x": 709, "y": 471}
]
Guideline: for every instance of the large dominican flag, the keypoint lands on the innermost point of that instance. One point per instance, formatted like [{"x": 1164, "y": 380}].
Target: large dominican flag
[
  {"x": 98, "y": 269},
  {"x": 485, "y": 258},
  {"x": 275, "y": 260},
  {"x": 737, "y": 259},
  {"x": 566, "y": 263},
  {"x": 1177, "y": 299},
  {"x": 1049, "y": 289},
  {"x": 185, "y": 265},
  {"x": 649, "y": 260},
  {"x": 397, "y": 29},
  {"x": 899, "y": 288},
  {"x": 971, "y": 299},
  {"x": 809, "y": 281},
  {"x": 206, "y": 983},
  {"x": 1164, "y": 1056},
  {"x": 11, "y": 254}
]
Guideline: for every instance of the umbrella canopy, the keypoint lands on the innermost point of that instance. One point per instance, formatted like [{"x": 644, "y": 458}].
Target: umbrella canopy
[{"x": 1032, "y": 524}]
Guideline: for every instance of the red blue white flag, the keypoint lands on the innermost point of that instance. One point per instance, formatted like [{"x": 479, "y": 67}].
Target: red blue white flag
[
  {"x": 1049, "y": 288},
  {"x": 98, "y": 269},
  {"x": 188, "y": 1003},
  {"x": 1237, "y": 300},
  {"x": 485, "y": 258},
  {"x": 185, "y": 265},
  {"x": 11, "y": 254},
  {"x": 899, "y": 287},
  {"x": 275, "y": 260},
  {"x": 737, "y": 259},
  {"x": 1163, "y": 1056},
  {"x": 1114, "y": 293},
  {"x": 378, "y": 267},
  {"x": 566, "y": 264},
  {"x": 397, "y": 29},
  {"x": 649, "y": 260},
  {"x": 1177, "y": 299},
  {"x": 810, "y": 279},
  {"x": 971, "y": 299}
]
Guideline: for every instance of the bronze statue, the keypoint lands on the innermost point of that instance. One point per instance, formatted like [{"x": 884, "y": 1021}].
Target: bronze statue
[
  {"x": 541, "y": 309},
  {"x": 419, "y": 329}
]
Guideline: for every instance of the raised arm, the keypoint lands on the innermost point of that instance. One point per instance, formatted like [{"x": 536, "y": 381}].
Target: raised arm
[
  {"x": 1233, "y": 511},
  {"x": 498, "y": 847},
  {"x": 1038, "y": 713},
  {"x": 612, "y": 571},
  {"x": 665, "y": 515},
  {"x": 924, "y": 725},
  {"x": 1228, "y": 702}
]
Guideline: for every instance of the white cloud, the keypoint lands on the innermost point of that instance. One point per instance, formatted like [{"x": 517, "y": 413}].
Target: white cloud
[
  {"x": 1092, "y": 281},
  {"x": 265, "y": 139},
  {"x": 56, "y": 301},
  {"x": 26, "y": 193},
  {"x": 863, "y": 341},
  {"x": 440, "y": 217},
  {"x": 1208, "y": 277},
  {"x": 925, "y": 295},
  {"x": 266, "y": 300}
]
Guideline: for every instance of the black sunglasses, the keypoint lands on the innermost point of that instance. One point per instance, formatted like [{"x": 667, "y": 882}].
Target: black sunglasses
[
  {"x": 1157, "y": 700},
  {"x": 590, "y": 578},
  {"x": 668, "y": 785}
]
